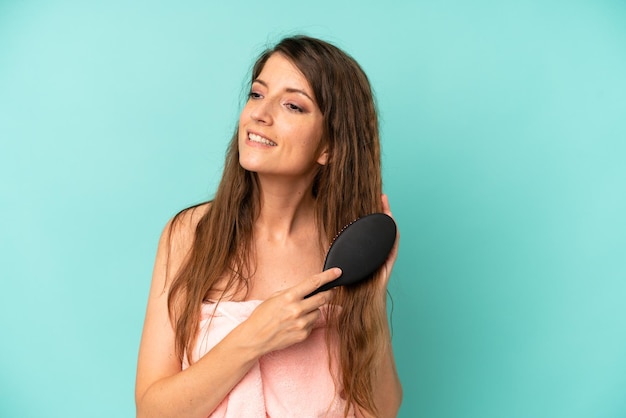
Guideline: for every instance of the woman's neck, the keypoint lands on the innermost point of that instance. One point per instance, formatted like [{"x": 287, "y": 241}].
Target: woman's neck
[{"x": 287, "y": 209}]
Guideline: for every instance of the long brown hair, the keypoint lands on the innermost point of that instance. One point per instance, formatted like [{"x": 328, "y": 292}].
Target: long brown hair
[{"x": 347, "y": 187}]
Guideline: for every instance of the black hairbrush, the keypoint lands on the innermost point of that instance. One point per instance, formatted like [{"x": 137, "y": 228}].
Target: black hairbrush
[{"x": 359, "y": 249}]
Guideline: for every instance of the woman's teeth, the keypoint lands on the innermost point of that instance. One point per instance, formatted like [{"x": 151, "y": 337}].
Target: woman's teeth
[{"x": 261, "y": 140}]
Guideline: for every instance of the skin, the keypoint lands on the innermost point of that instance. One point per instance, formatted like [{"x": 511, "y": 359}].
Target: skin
[
  {"x": 387, "y": 387},
  {"x": 281, "y": 110}
]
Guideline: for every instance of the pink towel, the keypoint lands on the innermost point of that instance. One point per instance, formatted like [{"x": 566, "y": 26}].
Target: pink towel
[{"x": 294, "y": 382}]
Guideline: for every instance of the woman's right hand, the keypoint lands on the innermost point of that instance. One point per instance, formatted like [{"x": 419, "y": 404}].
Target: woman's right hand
[
  {"x": 162, "y": 390},
  {"x": 286, "y": 318}
]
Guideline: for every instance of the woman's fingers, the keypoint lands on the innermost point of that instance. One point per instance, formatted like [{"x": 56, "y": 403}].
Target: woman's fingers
[
  {"x": 387, "y": 211},
  {"x": 386, "y": 207},
  {"x": 287, "y": 318},
  {"x": 391, "y": 259},
  {"x": 310, "y": 284}
]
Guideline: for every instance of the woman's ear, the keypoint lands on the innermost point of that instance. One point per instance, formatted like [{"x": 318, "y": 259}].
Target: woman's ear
[{"x": 323, "y": 157}]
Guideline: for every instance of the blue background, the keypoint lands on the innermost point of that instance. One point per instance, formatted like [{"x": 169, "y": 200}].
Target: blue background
[{"x": 504, "y": 139}]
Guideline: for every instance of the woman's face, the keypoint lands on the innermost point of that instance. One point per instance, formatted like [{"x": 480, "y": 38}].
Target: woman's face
[{"x": 280, "y": 127}]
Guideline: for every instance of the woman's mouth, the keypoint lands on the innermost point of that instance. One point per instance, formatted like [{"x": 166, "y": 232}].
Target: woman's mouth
[{"x": 261, "y": 140}]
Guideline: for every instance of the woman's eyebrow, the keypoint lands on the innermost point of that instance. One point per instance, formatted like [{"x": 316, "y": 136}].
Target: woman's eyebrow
[{"x": 287, "y": 89}]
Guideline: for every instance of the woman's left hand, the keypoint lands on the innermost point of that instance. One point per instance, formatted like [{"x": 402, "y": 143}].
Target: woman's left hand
[{"x": 391, "y": 259}]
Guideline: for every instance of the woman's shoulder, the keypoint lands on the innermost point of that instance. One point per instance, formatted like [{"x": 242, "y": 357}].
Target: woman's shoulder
[
  {"x": 186, "y": 221},
  {"x": 178, "y": 235}
]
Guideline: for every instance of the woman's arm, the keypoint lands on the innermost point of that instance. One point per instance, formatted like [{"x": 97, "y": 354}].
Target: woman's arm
[
  {"x": 161, "y": 386},
  {"x": 162, "y": 389},
  {"x": 387, "y": 387}
]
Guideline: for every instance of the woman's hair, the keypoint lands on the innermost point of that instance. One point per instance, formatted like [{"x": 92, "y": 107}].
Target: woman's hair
[{"x": 347, "y": 187}]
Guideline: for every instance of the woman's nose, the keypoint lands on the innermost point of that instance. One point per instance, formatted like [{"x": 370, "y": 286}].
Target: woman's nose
[{"x": 262, "y": 112}]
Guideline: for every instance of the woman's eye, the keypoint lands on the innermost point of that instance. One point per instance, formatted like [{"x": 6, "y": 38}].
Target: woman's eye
[
  {"x": 254, "y": 95},
  {"x": 294, "y": 107}
]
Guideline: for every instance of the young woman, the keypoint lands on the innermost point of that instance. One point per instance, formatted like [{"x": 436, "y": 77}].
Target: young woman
[{"x": 228, "y": 332}]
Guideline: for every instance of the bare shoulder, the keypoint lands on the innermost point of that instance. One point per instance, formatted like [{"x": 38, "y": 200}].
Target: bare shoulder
[
  {"x": 182, "y": 227},
  {"x": 177, "y": 238},
  {"x": 157, "y": 352}
]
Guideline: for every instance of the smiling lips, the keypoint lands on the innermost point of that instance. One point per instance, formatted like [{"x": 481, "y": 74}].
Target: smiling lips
[{"x": 259, "y": 139}]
